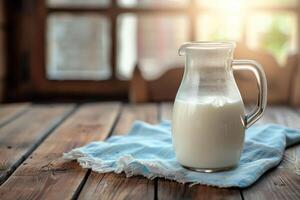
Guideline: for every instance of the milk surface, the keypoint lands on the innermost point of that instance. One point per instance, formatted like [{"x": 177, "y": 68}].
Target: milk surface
[{"x": 208, "y": 133}]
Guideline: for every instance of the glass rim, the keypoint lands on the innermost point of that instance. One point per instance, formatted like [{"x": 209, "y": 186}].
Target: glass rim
[{"x": 209, "y": 44}]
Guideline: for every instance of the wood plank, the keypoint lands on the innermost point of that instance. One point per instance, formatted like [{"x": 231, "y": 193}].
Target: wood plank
[
  {"x": 9, "y": 111},
  {"x": 283, "y": 181},
  {"x": 281, "y": 115},
  {"x": 173, "y": 190},
  {"x": 117, "y": 186},
  {"x": 131, "y": 113},
  {"x": 19, "y": 138},
  {"x": 166, "y": 111},
  {"x": 44, "y": 175}
]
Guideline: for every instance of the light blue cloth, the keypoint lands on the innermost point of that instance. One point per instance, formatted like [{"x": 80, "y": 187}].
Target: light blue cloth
[{"x": 147, "y": 150}]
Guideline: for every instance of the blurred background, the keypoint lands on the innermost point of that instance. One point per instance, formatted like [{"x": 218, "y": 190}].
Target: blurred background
[{"x": 127, "y": 49}]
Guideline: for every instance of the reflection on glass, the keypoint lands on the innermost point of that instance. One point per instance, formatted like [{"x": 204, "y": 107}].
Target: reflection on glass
[
  {"x": 219, "y": 27},
  {"x": 76, "y": 3},
  {"x": 274, "y": 33},
  {"x": 153, "y": 3},
  {"x": 150, "y": 41},
  {"x": 78, "y": 47}
]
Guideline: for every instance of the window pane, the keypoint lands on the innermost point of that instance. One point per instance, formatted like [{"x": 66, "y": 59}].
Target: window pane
[
  {"x": 222, "y": 4},
  {"x": 150, "y": 41},
  {"x": 76, "y": 3},
  {"x": 78, "y": 47},
  {"x": 233, "y": 4},
  {"x": 272, "y": 2},
  {"x": 276, "y": 33},
  {"x": 211, "y": 26},
  {"x": 153, "y": 3}
]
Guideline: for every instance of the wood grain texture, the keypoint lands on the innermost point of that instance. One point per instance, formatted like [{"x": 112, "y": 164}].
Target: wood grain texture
[
  {"x": 281, "y": 115},
  {"x": 117, "y": 186},
  {"x": 19, "y": 138},
  {"x": 9, "y": 111},
  {"x": 44, "y": 175},
  {"x": 283, "y": 181},
  {"x": 131, "y": 113},
  {"x": 173, "y": 190},
  {"x": 278, "y": 184}
]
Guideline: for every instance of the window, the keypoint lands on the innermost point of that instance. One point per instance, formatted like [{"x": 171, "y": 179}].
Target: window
[
  {"x": 150, "y": 41},
  {"x": 274, "y": 32},
  {"x": 270, "y": 25},
  {"x": 152, "y": 3},
  {"x": 78, "y": 47},
  {"x": 94, "y": 45},
  {"x": 148, "y": 33}
]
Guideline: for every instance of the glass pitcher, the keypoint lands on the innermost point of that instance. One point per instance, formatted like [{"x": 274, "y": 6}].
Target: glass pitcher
[{"x": 208, "y": 120}]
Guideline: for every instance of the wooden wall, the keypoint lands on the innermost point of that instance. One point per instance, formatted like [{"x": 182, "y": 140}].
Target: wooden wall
[{"x": 2, "y": 50}]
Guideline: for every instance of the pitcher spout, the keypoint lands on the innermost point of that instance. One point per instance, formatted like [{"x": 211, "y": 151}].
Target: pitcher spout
[{"x": 207, "y": 54}]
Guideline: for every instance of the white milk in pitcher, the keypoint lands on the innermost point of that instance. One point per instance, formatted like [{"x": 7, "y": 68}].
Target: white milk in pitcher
[{"x": 208, "y": 133}]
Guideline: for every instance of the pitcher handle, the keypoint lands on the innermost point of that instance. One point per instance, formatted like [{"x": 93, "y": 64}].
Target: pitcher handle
[{"x": 260, "y": 76}]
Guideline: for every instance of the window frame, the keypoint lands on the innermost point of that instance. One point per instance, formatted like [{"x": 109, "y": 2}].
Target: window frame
[{"x": 112, "y": 86}]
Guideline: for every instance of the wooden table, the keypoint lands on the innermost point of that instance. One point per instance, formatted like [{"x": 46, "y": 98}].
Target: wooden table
[{"x": 34, "y": 136}]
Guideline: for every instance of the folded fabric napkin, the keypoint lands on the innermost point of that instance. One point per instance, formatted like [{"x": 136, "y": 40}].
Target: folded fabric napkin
[{"x": 147, "y": 150}]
